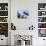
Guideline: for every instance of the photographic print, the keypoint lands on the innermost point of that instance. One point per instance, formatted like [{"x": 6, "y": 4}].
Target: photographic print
[
  {"x": 23, "y": 13},
  {"x": 3, "y": 19},
  {"x": 41, "y": 6},
  {"x": 4, "y": 29},
  {"x": 41, "y": 19},
  {"x": 42, "y": 32},
  {"x": 3, "y": 6}
]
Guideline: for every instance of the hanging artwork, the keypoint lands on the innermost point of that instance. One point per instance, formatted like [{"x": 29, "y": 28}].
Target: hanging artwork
[
  {"x": 42, "y": 32},
  {"x": 22, "y": 13}
]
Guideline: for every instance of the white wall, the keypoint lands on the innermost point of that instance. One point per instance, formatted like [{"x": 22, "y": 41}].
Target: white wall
[
  {"x": 23, "y": 24},
  {"x": 20, "y": 4},
  {"x": 32, "y": 5}
]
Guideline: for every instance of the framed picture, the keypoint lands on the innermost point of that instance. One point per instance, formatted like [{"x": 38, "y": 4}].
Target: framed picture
[
  {"x": 4, "y": 29},
  {"x": 22, "y": 13},
  {"x": 42, "y": 33}
]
